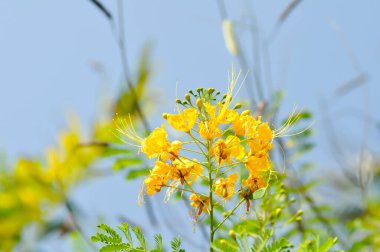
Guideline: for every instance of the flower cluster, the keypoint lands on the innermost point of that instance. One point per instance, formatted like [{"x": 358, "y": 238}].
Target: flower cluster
[{"x": 220, "y": 140}]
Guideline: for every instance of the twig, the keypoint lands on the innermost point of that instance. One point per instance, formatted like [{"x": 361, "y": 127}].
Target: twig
[
  {"x": 282, "y": 18},
  {"x": 76, "y": 225},
  {"x": 102, "y": 8}
]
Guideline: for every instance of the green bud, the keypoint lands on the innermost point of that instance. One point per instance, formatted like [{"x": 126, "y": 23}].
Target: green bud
[
  {"x": 300, "y": 212},
  {"x": 210, "y": 90},
  {"x": 199, "y": 90},
  {"x": 165, "y": 116},
  {"x": 278, "y": 212},
  {"x": 178, "y": 101},
  {"x": 237, "y": 106},
  {"x": 187, "y": 97}
]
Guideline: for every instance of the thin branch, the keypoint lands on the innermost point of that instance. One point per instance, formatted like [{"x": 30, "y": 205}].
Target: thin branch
[
  {"x": 76, "y": 224},
  {"x": 102, "y": 8},
  {"x": 282, "y": 18}
]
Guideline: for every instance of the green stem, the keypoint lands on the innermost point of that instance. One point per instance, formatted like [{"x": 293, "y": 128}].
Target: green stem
[
  {"x": 200, "y": 148},
  {"x": 211, "y": 200},
  {"x": 228, "y": 215},
  {"x": 211, "y": 213}
]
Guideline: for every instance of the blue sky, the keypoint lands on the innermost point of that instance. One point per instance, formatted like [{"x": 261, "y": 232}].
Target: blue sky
[{"x": 46, "y": 48}]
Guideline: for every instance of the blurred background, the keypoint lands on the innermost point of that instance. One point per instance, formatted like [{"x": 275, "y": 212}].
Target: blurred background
[{"x": 70, "y": 59}]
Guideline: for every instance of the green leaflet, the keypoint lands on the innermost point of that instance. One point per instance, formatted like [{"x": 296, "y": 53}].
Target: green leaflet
[{"x": 112, "y": 241}]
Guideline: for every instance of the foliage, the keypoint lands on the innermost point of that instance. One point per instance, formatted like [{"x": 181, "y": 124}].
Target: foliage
[{"x": 112, "y": 241}]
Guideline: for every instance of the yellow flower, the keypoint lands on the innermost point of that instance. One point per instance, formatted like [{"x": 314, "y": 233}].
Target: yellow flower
[
  {"x": 223, "y": 115},
  {"x": 183, "y": 121},
  {"x": 200, "y": 202},
  {"x": 210, "y": 109},
  {"x": 255, "y": 164},
  {"x": 258, "y": 159},
  {"x": 158, "y": 177},
  {"x": 264, "y": 132},
  {"x": 233, "y": 143},
  {"x": 224, "y": 150},
  {"x": 224, "y": 187},
  {"x": 172, "y": 151},
  {"x": 157, "y": 145},
  {"x": 262, "y": 142},
  {"x": 245, "y": 125},
  {"x": 154, "y": 183},
  {"x": 253, "y": 183},
  {"x": 209, "y": 129},
  {"x": 186, "y": 170},
  {"x": 221, "y": 152}
]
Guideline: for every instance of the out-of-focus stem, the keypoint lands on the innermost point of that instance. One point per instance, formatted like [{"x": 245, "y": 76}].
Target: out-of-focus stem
[{"x": 76, "y": 225}]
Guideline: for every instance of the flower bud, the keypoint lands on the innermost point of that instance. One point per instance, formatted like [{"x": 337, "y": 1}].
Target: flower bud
[
  {"x": 165, "y": 116},
  {"x": 278, "y": 212},
  {"x": 199, "y": 103},
  {"x": 187, "y": 97},
  {"x": 178, "y": 101},
  {"x": 300, "y": 212},
  {"x": 228, "y": 98},
  {"x": 232, "y": 234},
  {"x": 210, "y": 90},
  {"x": 237, "y": 106},
  {"x": 199, "y": 90},
  {"x": 245, "y": 112}
]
